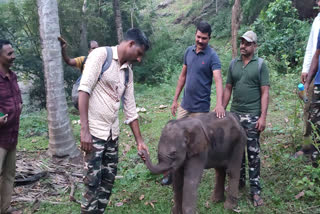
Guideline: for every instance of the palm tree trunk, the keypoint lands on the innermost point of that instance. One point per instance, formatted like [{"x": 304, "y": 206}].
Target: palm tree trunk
[
  {"x": 61, "y": 140},
  {"x": 118, "y": 20},
  {"x": 84, "y": 31},
  {"x": 235, "y": 24}
]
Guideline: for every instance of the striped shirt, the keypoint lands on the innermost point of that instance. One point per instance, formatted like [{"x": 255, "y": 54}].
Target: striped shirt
[
  {"x": 79, "y": 62},
  {"x": 105, "y": 94}
]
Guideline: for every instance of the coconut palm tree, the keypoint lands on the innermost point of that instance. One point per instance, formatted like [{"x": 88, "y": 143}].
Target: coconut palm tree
[{"x": 61, "y": 140}]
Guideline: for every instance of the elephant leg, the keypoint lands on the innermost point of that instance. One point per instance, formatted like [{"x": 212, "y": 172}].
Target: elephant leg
[
  {"x": 177, "y": 185},
  {"x": 233, "y": 172},
  {"x": 192, "y": 175},
  {"x": 218, "y": 193}
]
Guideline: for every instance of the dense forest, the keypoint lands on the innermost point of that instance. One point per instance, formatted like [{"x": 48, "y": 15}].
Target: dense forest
[{"x": 289, "y": 185}]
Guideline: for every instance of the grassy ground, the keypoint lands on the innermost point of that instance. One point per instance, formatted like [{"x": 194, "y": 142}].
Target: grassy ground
[{"x": 138, "y": 191}]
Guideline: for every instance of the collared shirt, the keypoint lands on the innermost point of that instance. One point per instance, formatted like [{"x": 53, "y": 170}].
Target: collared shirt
[
  {"x": 312, "y": 44},
  {"x": 105, "y": 93},
  {"x": 246, "y": 84},
  {"x": 10, "y": 103},
  {"x": 200, "y": 67}
]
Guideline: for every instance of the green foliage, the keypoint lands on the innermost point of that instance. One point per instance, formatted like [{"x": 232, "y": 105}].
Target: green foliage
[
  {"x": 282, "y": 35},
  {"x": 251, "y": 10},
  {"x": 221, "y": 23},
  {"x": 19, "y": 24},
  {"x": 163, "y": 60},
  {"x": 309, "y": 182}
]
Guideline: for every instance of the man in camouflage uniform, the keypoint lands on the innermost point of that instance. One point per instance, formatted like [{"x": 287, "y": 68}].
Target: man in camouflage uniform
[
  {"x": 314, "y": 117},
  {"x": 99, "y": 103},
  {"x": 248, "y": 78}
]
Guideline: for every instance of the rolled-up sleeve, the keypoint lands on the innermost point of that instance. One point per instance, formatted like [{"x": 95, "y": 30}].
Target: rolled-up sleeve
[
  {"x": 92, "y": 69},
  {"x": 129, "y": 103}
]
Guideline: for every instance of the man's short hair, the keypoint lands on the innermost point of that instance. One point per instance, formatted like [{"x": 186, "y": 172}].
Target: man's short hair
[
  {"x": 89, "y": 44},
  {"x": 204, "y": 27},
  {"x": 138, "y": 37},
  {"x": 4, "y": 42}
]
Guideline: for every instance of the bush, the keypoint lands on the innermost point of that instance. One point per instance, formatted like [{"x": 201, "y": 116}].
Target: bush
[
  {"x": 282, "y": 35},
  {"x": 160, "y": 63}
]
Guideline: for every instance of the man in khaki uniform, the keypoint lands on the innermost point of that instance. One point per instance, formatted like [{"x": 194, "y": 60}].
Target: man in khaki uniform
[{"x": 99, "y": 103}]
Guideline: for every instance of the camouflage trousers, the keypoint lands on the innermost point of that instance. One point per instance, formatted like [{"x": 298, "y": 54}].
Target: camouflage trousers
[
  {"x": 248, "y": 122},
  {"x": 100, "y": 169},
  {"x": 314, "y": 118}
]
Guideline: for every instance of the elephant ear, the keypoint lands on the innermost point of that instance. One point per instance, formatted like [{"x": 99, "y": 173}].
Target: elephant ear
[{"x": 196, "y": 138}]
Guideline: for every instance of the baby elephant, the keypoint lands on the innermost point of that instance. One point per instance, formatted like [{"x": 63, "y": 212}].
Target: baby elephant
[{"x": 188, "y": 146}]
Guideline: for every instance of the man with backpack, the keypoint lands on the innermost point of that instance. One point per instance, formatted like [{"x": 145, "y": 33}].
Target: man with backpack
[
  {"x": 77, "y": 62},
  {"x": 248, "y": 78},
  {"x": 100, "y": 93}
]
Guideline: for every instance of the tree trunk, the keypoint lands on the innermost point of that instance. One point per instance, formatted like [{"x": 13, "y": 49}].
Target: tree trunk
[
  {"x": 235, "y": 24},
  {"x": 216, "y": 6},
  {"x": 118, "y": 20},
  {"x": 61, "y": 140},
  {"x": 83, "y": 32}
]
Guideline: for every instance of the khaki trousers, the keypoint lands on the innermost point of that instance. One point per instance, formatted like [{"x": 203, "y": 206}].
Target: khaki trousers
[
  {"x": 184, "y": 113},
  {"x": 7, "y": 174}
]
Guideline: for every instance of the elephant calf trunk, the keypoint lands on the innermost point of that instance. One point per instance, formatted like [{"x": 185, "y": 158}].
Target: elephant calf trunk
[{"x": 155, "y": 169}]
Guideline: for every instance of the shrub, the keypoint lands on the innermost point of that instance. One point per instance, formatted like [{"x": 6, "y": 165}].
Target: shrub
[{"x": 282, "y": 35}]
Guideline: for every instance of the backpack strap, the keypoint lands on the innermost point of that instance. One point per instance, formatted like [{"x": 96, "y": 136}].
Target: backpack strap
[
  {"x": 260, "y": 62},
  {"x": 82, "y": 64},
  {"x": 126, "y": 77},
  {"x": 108, "y": 61}
]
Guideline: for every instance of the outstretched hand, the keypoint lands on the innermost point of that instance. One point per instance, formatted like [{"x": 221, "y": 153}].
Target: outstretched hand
[
  {"x": 142, "y": 150},
  {"x": 63, "y": 42}
]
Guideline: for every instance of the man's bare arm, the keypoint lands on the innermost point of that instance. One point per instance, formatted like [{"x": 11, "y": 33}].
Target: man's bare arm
[
  {"x": 219, "y": 90},
  {"x": 313, "y": 69},
  {"x": 85, "y": 136},
  {"x": 134, "y": 125},
  {"x": 66, "y": 58},
  {"x": 180, "y": 85},
  {"x": 226, "y": 95}
]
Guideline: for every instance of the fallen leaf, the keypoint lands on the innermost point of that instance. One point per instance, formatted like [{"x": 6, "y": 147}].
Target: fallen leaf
[
  {"x": 163, "y": 106},
  {"x": 34, "y": 141},
  {"x": 207, "y": 204},
  {"x": 237, "y": 210},
  {"x": 141, "y": 197},
  {"x": 301, "y": 194},
  {"x": 152, "y": 205},
  {"x": 119, "y": 204},
  {"x": 126, "y": 149}
]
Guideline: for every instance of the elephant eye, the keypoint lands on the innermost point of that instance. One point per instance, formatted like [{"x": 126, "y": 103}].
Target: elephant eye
[{"x": 173, "y": 154}]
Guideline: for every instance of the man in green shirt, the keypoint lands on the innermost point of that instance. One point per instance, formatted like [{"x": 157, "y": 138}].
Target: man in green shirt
[{"x": 248, "y": 78}]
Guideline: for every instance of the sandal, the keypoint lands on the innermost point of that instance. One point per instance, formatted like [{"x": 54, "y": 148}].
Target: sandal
[{"x": 257, "y": 200}]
